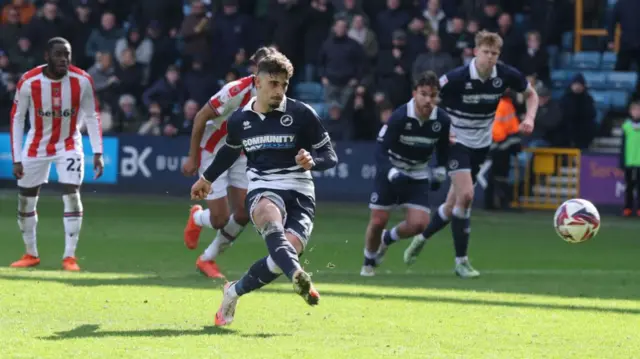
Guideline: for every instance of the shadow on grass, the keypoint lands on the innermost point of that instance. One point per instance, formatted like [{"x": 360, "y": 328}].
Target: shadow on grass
[
  {"x": 92, "y": 331},
  {"x": 215, "y": 285}
]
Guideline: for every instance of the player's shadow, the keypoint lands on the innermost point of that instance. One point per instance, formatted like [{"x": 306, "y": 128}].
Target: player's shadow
[
  {"x": 326, "y": 293},
  {"x": 92, "y": 331}
]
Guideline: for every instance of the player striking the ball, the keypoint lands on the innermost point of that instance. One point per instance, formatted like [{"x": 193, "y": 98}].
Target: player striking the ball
[
  {"x": 207, "y": 137},
  {"x": 470, "y": 95},
  {"x": 58, "y": 97},
  {"x": 276, "y": 133},
  {"x": 403, "y": 177}
]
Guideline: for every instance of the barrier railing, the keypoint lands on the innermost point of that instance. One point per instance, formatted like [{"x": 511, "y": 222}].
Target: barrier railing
[
  {"x": 581, "y": 31},
  {"x": 548, "y": 177}
]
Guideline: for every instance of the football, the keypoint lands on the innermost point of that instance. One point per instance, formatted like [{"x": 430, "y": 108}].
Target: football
[{"x": 576, "y": 220}]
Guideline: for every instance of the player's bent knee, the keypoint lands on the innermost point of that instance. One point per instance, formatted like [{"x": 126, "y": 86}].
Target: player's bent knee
[
  {"x": 70, "y": 188},
  {"x": 218, "y": 220},
  {"x": 271, "y": 227},
  {"x": 240, "y": 216},
  {"x": 295, "y": 242},
  {"x": 379, "y": 219},
  {"x": 465, "y": 198},
  {"x": 266, "y": 211},
  {"x": 29, "y": 192}
]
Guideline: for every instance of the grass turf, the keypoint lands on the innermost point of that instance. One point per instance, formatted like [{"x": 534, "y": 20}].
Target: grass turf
[{"x": 139, "y": 295}]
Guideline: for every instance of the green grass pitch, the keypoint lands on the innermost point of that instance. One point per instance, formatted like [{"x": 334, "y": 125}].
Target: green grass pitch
[{"x": 139, "y": 295}]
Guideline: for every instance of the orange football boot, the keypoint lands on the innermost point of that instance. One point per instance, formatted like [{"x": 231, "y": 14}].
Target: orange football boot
[
  {"x": 209, "y": 268},
  {"x": 26, "y": 261},
  {"x": 192, "y": 230},
  {"x": 70, "y": 264},
  {"x": 627, "y": 212}
]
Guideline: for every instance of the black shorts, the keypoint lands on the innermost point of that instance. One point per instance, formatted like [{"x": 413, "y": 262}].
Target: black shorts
[
  {"x": 410, "y": 194},
  {"x": 463, "y": 158},
  {"x": 297, "y": 209}
]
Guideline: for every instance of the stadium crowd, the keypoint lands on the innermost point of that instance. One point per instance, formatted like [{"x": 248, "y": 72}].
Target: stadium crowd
[{"x": 155, "y": 62}]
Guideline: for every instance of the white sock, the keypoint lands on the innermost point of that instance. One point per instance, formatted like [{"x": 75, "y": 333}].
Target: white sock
[
  {"x": 461, "y": 259},
  {"x": 273, "y": 267},
  {"x": 203, "y": 218},
  {"x": 394, "y": 233},
  {"x": 369, "y": 255},
  {"x": 222, "y": 241},
  {"x": 28, "y": 221},
  {"x": 72, "y": 223}
]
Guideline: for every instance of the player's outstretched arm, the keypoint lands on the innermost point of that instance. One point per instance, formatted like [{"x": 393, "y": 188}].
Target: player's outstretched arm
[
  {"x": 18, "y": 114},
  {"x": 532, "y": 101},
  {"x": 199, "y": 123},
  {"x": 91, "y": 110},
  {"x": 324, "y": 156}
]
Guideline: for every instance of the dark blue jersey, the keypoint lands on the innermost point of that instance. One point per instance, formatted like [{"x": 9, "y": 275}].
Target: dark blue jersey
[
  {"x": 407, "y": 142},
  {"x": 471, "y": 103},
  {"x": 271, "y": 142}
]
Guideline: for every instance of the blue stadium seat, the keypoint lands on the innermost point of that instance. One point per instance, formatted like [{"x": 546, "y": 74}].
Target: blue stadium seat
[
  {"x": 622, "y": 80},
  {"x": 567, "y": 41},
  {"x": 565, "y": 59},
  {"x": 602, "y": 99},
  {"x": 321, "y": 109},
  {"x": 556, "y": 94},
  {"x": 600, "y": 113},
  {"x": 309, "y": 92},
  {"x": 562, "y": 78},
  {"x": 595, "y": 80},
  {"x": 608, "y": 60},
  {"x": 586, "y": 60},
  {"x": 619, "y": 100}
]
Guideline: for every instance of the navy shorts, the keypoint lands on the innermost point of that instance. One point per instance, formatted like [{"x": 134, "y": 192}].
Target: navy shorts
[
  {"x": 410, "y": 194},
  {"x": 463, "y": 158},
  {"x": 298, "y": 210}
]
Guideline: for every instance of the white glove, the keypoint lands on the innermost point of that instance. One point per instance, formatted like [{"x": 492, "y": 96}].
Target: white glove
[{"x": 439, "y": 174}]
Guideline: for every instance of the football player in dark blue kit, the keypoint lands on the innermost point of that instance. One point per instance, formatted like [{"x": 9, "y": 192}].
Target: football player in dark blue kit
[
  {"x": 470, "y": 95},
  {"x": 283, "y": 140},
  {"x": 406, "y": 144}
]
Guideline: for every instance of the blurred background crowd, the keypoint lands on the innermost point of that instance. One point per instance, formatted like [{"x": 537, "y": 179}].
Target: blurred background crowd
[{"x": 155, "y": 62}]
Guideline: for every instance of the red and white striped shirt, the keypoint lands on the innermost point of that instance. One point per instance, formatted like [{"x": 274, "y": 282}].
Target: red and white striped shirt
[
  {"x": 56, "y": 111},
  {"x": 232, "y": 96}
]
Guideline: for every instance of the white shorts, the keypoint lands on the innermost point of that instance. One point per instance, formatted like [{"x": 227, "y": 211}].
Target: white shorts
[
  {"x": 235, "y": 176},
  {"x": 69, "y": 166}
]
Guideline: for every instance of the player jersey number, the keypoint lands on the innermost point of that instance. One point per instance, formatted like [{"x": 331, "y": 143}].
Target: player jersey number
[{"x": 75, "y": 164}]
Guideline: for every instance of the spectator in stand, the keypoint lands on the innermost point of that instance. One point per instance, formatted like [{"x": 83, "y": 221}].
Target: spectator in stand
[
  {"x": 183, "y": 123},
  {"x": 104, "y": 38},
  {"x": 50, "y": 24},
  {"x": 625, "y": 12},
  {"x": 81, "y": 26},
  {"x": 579, "y": 115},
  {"x": 513, "y": 41},
  {"x": 362, "y": 34},
  {"x": 168, "y": 91},
  {"x": 630, "y": 158},
  {"x": 196, "y": 32},
  {"x": 435, "y": 60},
  {"x": 458, "y": 42},
  {"x": 535, "y": 61},
  {"x": 393, "y": 72},
  {"x": 490, "y": 14},
  {"x": 142, "y": 47},
  {"x": 25, "y": 8},
  {"x": 199, "y": 82},
  {"x": 105, "y": 80},
  {"x": 130, "y": 74},
  {"x": 23, "y": 57},
  {"x": 416, "y": 37},
  {"x": 127, "y": 117},
  {"x": 341, "y": 65},
  {"x": 11, "y": 29},
  {"x": 319, "y": 18},
  {"x": 436, "y": 18},
  {"x": 389, "y": 20}
]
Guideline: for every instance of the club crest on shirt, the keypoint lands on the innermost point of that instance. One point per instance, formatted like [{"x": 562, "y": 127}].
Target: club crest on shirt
[
  {"x": 286, "y": 120},
  {"x": 497, "y": 82}
]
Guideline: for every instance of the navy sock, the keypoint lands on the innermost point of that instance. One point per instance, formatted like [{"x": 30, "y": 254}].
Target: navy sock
[
  {"x": 435, "y": 225},
  {"x": 460, "y": 228},
  {"x": 256, "y": 277},
  {"x": 369, "y": 258},
  {"x": 281, "y": 251},
  {"x": 387, "y": 238}
]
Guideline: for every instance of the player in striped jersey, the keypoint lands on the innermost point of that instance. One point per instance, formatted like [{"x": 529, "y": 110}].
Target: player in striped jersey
[
  {"x": 58, "y": 97},
  {"x": 207, "y": 137},
  {"x": 470, "y": 95},
  {"x": 406, "y": 144},
  {"x": 275, "y": 133}
]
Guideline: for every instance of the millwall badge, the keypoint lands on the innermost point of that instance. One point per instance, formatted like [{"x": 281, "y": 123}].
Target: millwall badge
[
  {"x": 497, "y": 82},
  {"x": 286, "y": 120}
]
